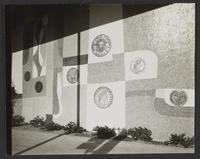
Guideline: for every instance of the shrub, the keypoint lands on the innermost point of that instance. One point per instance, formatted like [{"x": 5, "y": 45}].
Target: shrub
[
  {"x": 181, "y": 139},
  {"x": 104, "y": 132},
  {"x": 38, "y": 121},
  {"x": 17, "y": 120},
  {"x": 52, "y": 126},
  {"x": 72, "y": 127},
  {"x": 13, "y": 97},
  {"x": 189, "y": 142},
  {"x": 140, "y": 133},
  {"x": 122, "y": 135}
]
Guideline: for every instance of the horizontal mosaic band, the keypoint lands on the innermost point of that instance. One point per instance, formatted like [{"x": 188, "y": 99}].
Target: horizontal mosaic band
[
  {"x": 164, "y": 109},
  {"x": 70, "y": 61},
  {"x": 150, "y": 92}
]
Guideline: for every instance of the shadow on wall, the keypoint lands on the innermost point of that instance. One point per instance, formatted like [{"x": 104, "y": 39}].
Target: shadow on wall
[{"x": 76, "y": 17}]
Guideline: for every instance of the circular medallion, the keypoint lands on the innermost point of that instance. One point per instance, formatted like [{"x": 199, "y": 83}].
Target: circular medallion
[
  {"x": 178, "y": 97},
  {"x": 101, "y": 45},
  {"x": 137, "y": 65},
  {"x": 72, "y": 75},
  {"x": 27, "y": 76},
  {"x": 103, "y": 97},
  {"x": 38, "y": 86}
]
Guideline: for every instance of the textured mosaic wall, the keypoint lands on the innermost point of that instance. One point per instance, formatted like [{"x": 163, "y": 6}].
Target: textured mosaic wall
[
  {"x": 136, "y": 71},
  {"x": 169, "y": 33}
]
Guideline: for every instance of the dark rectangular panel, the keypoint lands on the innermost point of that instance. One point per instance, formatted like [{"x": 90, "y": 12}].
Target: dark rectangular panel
[{"x": 70, "y": 61}]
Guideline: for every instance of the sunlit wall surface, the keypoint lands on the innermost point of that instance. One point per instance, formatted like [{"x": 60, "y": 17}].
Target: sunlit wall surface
[{"x": 122, "y": 70}]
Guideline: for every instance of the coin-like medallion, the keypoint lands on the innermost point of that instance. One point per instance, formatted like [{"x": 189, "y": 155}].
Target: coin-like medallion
[
  {"x": 27, "y": 76},
  {"x": 101, "y": 45},
  {"x": 103, "y": 97},
  {"x": 178, "y": 97},
  {"x": 38, "y": 86},
  {"x": 72, "y": 75},
  {"x": 137, "y": 66}
]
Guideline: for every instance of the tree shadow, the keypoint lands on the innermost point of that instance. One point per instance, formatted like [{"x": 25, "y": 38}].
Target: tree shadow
[
  {"x": 94, "y": 142},
  {"x": 109, "y": 145},
  {"x": 39, "y": 144},
  {"x": 91, "y": 144}
]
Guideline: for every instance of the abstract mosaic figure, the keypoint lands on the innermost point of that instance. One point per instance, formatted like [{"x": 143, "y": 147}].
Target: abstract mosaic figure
[
  {"x": 39, "y": 56},
  {"x": 178, "y": 97},
  {"x": 72, "y": 75},
  {"x": 137, "y": 65},
  {"x": 37, "y": 64},
  {"x": 101, "y": 45},
  {"x": 103, "y": 97}
]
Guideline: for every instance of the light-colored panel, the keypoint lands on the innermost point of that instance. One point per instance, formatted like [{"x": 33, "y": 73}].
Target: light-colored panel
[
  {"x": 141, "y": 64},
  {"x": 70, "y": 75},
  {"x": 67, "y": 103},
  {"x": 106, "y": 106},
  {"x": 84, "y": 40},
  {"x": 68, "y": 106},
  {"x": 112, "y": 35},
  {"x": 70, "y": 45},
  {"x": 35, "y": 106}
]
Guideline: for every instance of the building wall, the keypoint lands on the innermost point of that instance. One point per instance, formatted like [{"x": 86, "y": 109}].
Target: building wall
[{"x": 167, "y": 33}]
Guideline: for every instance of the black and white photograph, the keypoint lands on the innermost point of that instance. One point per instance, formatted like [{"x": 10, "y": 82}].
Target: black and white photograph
[{"x": 102, "y": 79}]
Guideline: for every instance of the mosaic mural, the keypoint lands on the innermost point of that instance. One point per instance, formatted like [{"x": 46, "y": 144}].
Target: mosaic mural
[{"x": 126, "y": 73}]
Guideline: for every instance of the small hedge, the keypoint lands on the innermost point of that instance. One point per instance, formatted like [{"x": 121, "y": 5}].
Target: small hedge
[
  {"x": 18, "y": 120},
  {"x": 123, "y": 133},
  {"x": 181, "y": 139},
  {"x": 140, "y": 133},
  {"x": 72, "y": 127},
  {"x": 53, "y": 126},
  {"x": 104, "y": 132},
  {"x": 38, "y": 121}
]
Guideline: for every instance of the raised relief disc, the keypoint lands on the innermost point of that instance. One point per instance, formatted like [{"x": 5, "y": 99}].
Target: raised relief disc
[
  {"x": 103, "y": 97},
  {"x": 38, "y": 86},
  {"x": 72, "y": 75},
  {"x": 101, "y": 45},
  {"x": 178, "y": 97},
  {"x": 27, "y": 76},
  {"x": 137, "y": 66}
]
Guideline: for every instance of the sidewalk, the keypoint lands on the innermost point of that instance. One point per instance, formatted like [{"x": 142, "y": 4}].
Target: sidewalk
[{"x": 27, "y": 142}]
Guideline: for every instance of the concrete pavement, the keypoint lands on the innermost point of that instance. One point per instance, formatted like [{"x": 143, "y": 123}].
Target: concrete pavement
[{"x": 27, "y": 142}]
